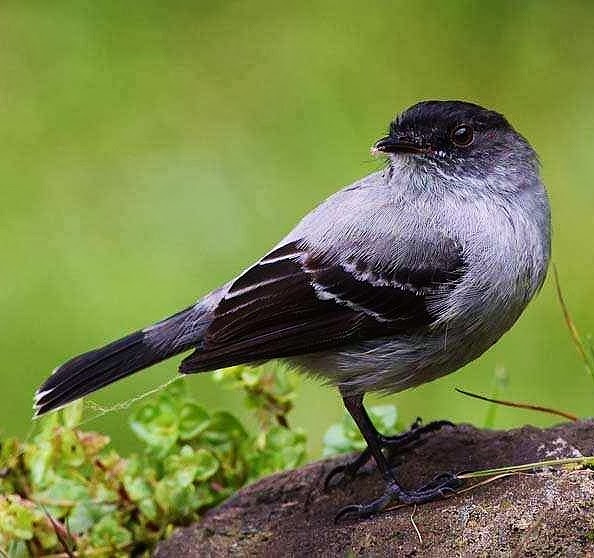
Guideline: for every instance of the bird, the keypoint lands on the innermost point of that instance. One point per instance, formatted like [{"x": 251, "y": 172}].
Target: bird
[{"x": 402, "y": 277}]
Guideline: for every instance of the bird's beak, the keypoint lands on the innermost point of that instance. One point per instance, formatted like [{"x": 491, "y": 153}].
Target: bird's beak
[{"x": 391, "y": 144}]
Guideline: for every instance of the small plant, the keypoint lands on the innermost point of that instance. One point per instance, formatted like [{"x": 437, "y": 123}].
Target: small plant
[
  {"x": 344, "y": 436},
  {"x": 68, "y": 491}
]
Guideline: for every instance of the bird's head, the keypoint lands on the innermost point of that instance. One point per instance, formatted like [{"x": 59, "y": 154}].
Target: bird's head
[{"x": 457, "y": 139}]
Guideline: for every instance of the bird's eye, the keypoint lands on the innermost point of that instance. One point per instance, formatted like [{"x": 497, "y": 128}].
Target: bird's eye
[{"x": 462, "y": 135}]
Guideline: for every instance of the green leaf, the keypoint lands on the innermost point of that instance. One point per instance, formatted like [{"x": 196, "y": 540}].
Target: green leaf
[
  {"x": 72, "y": 413},
  {"x": 206, "y": 465},
  {"x": 193, "y": 420},
  {"x": 137, "y": 488},
  {"x": 179, "y": 501},
  {"x": 62, "y": 494},
  {"x": 149, "y": 508},
  {"x": 336, "y": 440},
  {"x": 385, "y": 418},
  {"x": 281, "y": 449},
  {"x": 250, "y": 376},
  {"x": 344, "y": 437},
  {"x": 107, "y": 532},
  {"x": 157, "y": 425},
  {"x": 223, "y": 428},
  {"x": 190, "y": 465},
  {"x": 71, "y": 451},
  {"x": 16, "y": 518},
  {"x": 86, "y": 514},
  {"x": 38, "y": 459}
]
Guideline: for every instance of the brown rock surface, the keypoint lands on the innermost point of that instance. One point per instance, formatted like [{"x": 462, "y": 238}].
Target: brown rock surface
[{"x": 289, "y": 514}]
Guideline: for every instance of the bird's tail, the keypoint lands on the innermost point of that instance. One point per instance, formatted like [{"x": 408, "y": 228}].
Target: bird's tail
[{"x": 98, "y": 368}]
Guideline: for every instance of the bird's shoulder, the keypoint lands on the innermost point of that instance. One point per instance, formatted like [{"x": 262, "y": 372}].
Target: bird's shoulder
[{"x": 372, "y": 228}]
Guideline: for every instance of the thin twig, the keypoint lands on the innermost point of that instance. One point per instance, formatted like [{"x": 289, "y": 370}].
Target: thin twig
[
  {"x": 61, "y": 532},
  {"x": 412, "y": 520},
  {"x": 529, "y": 406}
]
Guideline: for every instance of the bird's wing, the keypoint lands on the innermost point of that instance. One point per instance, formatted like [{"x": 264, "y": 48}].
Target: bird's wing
[{"x": 296, "y": 301}]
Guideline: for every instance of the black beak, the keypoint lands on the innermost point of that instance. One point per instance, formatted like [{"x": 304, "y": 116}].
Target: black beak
[{"x": 391, "y": 144}]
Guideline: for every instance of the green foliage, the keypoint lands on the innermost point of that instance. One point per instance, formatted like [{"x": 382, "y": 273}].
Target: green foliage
[
  {"x": 344, "y": 436},
  {"x": 68, "y": 490}
]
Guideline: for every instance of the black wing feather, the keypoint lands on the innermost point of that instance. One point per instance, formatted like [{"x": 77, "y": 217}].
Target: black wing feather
[{"x": 293, "y": 302}]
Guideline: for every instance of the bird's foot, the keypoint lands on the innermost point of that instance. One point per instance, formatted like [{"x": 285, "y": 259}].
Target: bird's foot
[
  {"x": 397, "y": 443},
  {"x": 441, "y": 486}
]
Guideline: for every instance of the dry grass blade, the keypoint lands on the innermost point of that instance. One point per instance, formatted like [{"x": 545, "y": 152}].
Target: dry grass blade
[
  {"x": 490, "y": 480},
  {"x": 577, "y": 340},
  {"x": 568, "y": 462},
  {"x": 529, "y": 406}
]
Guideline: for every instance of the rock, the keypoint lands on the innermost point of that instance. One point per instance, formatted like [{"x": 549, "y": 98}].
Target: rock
[{"x": 289, "y": 514}]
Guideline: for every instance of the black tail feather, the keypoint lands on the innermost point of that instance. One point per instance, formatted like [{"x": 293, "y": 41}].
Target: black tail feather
[{"x": 91, "y": 371}]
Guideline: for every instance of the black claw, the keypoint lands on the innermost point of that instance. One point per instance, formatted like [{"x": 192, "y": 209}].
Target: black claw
[
  {"x": 348, "y": 470},
  {"x": 417, "y": 429},
  {"x": 336, "y": 471},
  {"x": 403, "y": 441},
  {"x": 442, "y": 478},
  {"x": 361, "y": 511},
  {"x": 353, "y": 512},
  {"x": 396, "y": 443},
  {"x": 353, "y": 509},
  {"x": 442, "y": 486}
]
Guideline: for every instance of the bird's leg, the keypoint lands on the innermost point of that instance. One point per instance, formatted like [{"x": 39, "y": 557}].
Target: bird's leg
[
  {"x": 438, "y": 488},
  {"x": 398, "y": 443}
]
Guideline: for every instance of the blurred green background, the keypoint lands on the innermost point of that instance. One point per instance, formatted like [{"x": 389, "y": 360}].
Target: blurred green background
[{"x": 151, "y": 150}]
